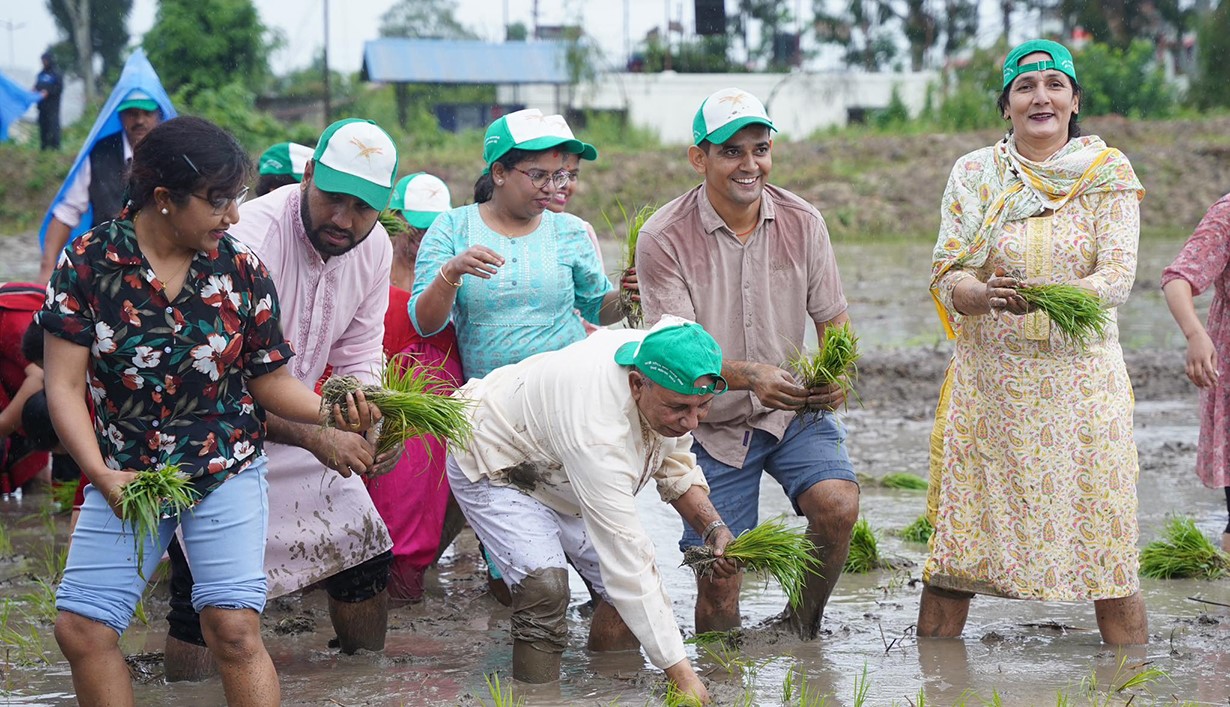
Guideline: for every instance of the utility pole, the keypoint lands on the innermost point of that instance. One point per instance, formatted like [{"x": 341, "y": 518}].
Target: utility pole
[
  {"x": 12, "y": 27},
  {"x": 328, "y": 108}
]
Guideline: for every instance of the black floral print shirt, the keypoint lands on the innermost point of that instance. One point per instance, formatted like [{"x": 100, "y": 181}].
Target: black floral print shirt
[{"x": 168, "y": 380}]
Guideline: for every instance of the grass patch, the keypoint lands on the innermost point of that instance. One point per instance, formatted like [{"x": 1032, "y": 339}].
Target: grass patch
[
  {"x": 864, "y": 549},
  {"x": 770, "y": 548},
  {"x": 411, "y": 404},
  {"x": 919, "y": 531},
  {"x": 6, "y": 542},
  {"x": 1077, "y": 312},
  {"x": 910, "y": 482},
  {"x": 21, "y": 641},
  {"x": 1183, "y": 552},
  {"x": 152, "y": 494},
  {"x": 834, "y": 364}
]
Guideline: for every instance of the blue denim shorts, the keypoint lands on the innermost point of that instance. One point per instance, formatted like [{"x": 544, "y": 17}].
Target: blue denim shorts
[
  {"x": 224, "y": 538},
  {"x": 812, "y": 449}
]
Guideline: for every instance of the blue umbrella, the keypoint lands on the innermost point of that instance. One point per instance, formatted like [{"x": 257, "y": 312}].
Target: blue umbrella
[
  {"x": 138, "y": 75},
  {"x": 14, "y": 101}
]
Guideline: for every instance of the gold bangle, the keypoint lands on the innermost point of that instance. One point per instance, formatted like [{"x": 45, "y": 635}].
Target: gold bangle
[{"x": 450, "y": 282}]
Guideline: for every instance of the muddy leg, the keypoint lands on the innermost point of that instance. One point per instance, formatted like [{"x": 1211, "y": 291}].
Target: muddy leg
[
  {"x": 187, "y": 662},
  {"x": 942, "y": 613},
  {"x": 608, "y": 632},
  {"x": 539, "y": 629},
  {"x": 831, "y": 507},
  {"x": 360, "y": 624},
  {"x": 717, "y": 603},
  {"x": 100, "y": 676},
  {"x": 234, "y": 638},
  {"x": 1122, "y": 621}
]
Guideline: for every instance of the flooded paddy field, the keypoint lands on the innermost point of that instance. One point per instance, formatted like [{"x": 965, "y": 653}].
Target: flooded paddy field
[{"x": 439, "y": 652}]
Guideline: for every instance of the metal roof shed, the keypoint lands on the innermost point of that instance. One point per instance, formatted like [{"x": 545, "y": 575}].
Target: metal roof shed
[{"x": 403, "y": 61}]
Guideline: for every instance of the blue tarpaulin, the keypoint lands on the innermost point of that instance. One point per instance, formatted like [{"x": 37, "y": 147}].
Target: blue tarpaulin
[
  {"x": 14, "y": 101},
  {"x": 138, "y": 74},
  {"x": 449, "y": 61}
]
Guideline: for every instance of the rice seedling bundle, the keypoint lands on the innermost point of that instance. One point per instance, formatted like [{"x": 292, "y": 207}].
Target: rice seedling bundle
[
  {"x": 834, "y": 364},
  {"x": 393, "y": 224},
  {"x": 1076, "y": 311},
  {"x": 153, "y": 493},
  {"x": 771, "y": 549},
  {"x": 1182, "y": 552},
  {"x": 632, "y": 224},
  {"x": 411, "y": 402},
  {"x": 919, "y": 531},
  {"x": 864, "y": 549},
  {"x": 910, "y": 482}
]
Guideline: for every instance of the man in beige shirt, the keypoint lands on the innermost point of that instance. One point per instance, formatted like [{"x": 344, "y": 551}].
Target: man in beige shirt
[
  {"x": 752, "y": 264},
  {"x": 563, "y": 441}
]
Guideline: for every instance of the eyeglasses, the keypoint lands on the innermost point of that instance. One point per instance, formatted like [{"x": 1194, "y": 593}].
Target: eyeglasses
[
  {"x": 221, "y": 204},
  {"x": 540, "y": 177}
]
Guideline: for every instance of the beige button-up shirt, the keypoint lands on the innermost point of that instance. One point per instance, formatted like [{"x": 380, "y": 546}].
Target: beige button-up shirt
[{"x": 757, "y": 298}]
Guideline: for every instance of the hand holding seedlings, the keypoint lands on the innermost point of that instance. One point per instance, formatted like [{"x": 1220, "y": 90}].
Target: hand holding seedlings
[
  {"x": 343, "y": 451},
  {"x": 775, "y": 387},
  {"x": 359, "y": 415},
  {"x": 722, "y": 567},
  {"x": 630, "y": 286},
  {"x": 479, "y": 261},
  {"x": 1002, "y": 293}
]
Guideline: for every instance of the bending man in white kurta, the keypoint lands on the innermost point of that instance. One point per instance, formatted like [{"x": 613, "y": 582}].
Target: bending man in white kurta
[{"x": 563, "y": 441}]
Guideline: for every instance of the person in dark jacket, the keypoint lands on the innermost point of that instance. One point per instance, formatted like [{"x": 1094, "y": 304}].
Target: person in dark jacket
[{"x": 49, "y": 84}]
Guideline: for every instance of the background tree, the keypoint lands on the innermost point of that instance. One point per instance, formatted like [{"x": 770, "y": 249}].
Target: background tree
[
  {"x": 77, "y": 27},
  {"x": 423, "y": 19},
  {"x": 773, "y": 18},
  {"x": 873, "y": 31},
  {"x": 1211, "y": 89},
  {"x": 108, "y": 31},
  {"x": 197, "y": 45}
]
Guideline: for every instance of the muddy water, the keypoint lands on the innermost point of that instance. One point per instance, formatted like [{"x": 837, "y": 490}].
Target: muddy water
[{"x": 439, "y": 651}]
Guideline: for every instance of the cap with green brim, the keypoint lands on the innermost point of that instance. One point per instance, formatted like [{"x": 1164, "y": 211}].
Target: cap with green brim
[
  {"x": 421, "y": 197},
  {"x": 675, "y": 354},
  {"x": 285, "y": 158},
  {"x": 1061, "y": 60},
  {"x": 358, "y": 158},
  {"x": 725, "y": 113},
  {"x": 140, "y": 100},
  {"x": 532, "y": 131}
]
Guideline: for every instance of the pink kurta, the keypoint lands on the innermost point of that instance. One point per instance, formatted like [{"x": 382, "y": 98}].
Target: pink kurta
[
  {"x": 1204, "y": 261},
  {"x": 333, "y": 314}
]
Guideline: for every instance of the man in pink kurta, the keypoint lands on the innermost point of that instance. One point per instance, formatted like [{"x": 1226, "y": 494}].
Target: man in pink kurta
[{"x": 330, "y": 260}]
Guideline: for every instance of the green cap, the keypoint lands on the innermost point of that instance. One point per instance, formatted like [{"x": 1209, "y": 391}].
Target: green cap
[
  {"x": 421, "y": 197},
  {"x": 139, "y": 99},
  {"x": 1061, "y": 59},
  {"x": 676, "y": 353},
  {"x": 530, "y": 130},
  {"x": 358, "y": 158},
  {"x": 287, "y": 158},
  {"x": 725, "y": 113}
]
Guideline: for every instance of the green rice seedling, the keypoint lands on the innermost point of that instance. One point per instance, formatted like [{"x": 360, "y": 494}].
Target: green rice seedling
[
  {"x": 22, "y": 642},
  {"x": 834, "y": 364},
  {"x": 910, "y": 482},
  {"x": 673, "y": 697},
  {"x": 797, "y": 692},
  {"x": 6, "y": 542},
  {"x": 393, "y": 224},
  {"x": 919, "y": 531},
  {"x": 63, "y": 495},
  {"x": 1182, "y": 552},
  {"x": 155, "y": 493},
  {"x": 41, "y": 602},
  {"x": 1076, "y": 311},
  {"x": 631, "y": 233},
  {"x": 499, "y": 696},
  {"x": 864, "y": 549},
  {"x": 862, "y": 686},
  {"x": 770, "y": 548},
  {"x": 411, "y": 402}
]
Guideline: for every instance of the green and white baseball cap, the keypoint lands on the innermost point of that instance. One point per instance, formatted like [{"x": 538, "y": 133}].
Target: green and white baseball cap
[
  {"x": 1061, "y": 59},
  {"x": 285, "y": 158},
  {"x": 421, "y": 197},
  {"x": 675, "y": 353},
  {"x": 358, "y": 158},
  {"x": 725, "y": 113},
  {"x": 530, "y": 130},
  {"x": 140, "y": 100}
]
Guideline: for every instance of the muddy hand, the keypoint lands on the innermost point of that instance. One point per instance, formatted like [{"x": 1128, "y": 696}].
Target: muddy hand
[
  {"x": 825, "y": 397},
  {"x": 776, "y": 388},
  {"x": 1002, "y": 293},
  {"x": 631, "y": 284},
  {"x": 344, "y": 452},
  {"x": 110, "y": 483},
  {"x": 723, "y": 568},
  {"x": 385, "y": 461},
  {"x": 359, "y": 415}
]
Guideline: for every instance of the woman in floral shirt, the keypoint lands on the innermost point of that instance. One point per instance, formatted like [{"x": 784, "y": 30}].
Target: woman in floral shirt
[{"x": 170, "y": 328}]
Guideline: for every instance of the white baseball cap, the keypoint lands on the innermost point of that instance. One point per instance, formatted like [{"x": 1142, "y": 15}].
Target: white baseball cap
[
  {"x": 358, "y": 158},
  {"x": 725, "y": 113},
  {"x": 421, "y": 197}
]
